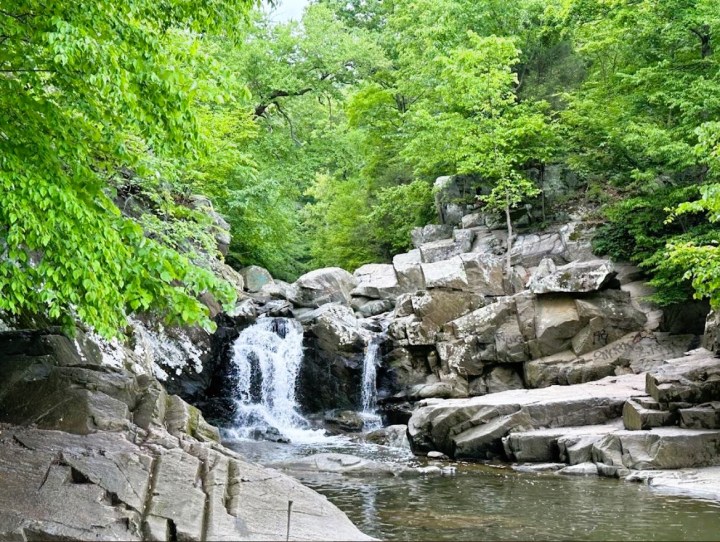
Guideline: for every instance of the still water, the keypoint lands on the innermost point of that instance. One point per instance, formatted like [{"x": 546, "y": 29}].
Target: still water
[{"x": 494, "y": 503}]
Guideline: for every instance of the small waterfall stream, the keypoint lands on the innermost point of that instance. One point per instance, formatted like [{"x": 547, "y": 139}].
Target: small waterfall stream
[
  {"x": 369, "y": 385},
  {"x": 267, "y": 358}
]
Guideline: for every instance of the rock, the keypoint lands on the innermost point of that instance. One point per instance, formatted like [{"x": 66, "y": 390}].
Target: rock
[
  {"x": 581, "y": 469},
  {"x": 686, "y": 317},
  {"x": 474, "y": 427},
  {"x": 501, "y": 379},
  {"x": 448, "y": 192},
  {"x": 328, "y": 285},
  {"x": 376, "y": 281},
  {"x": 659, "y": 448},
  {"x": 575, "y": 277},
  {"x": 702, "y": 483},
  {"x": 443, "y": 249},
  {"x": 633, "y": 352},
  {"x": 431, "y": 233},
  {"x": 336, "y": 328},
  {"x": 529, "y": 250},
  {"x": 706, "y": 416},
  {"x": 340, "y": 464},
  {"x": 278, "y": 289},
  {"x": 472, "y": 220},
  {"x": 437, "y": 455},
  {"x": 344, "y": 420},
  {"x": 538, "y": 467},
  {"x": 711, "y": 339},
  {"x": 577, "y": 240},
  {"x": 484, "y": 274},
  {"x": 255, "y": 277},
  {"x": 446, "y": 274},
  {"x": 636, "y": 417},
  {"x": 541, "y": 445},
  {"x": 556, "y": 322},
  {"x": 392, "y": 436},
  {"x": 692, "y": 379},
  {"x": 375, "y": 307}
]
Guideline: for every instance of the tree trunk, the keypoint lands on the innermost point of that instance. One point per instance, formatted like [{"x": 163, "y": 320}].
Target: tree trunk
[{"x": 508, "y": 266}]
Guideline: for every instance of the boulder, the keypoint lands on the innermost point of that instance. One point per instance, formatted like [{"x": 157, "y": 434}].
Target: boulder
[
  {"x": 705, "y": 416},
  {"x": 659, "y": 448},
  {"x": 446, "y": 274},
  {"x": 556, "y": 322},
  {"x": 529, "y": 250},
  {"x": 472, "y": 220},
  {"x": 376, "y": 281},
  {"x": 336, "y": 328},
  {"x": 541, "y": 445},
  {"x": 692, "y": 379},
  {"x": 637, "y": 417},
  {"x": 450, "y": 190},
  {"x": 409, "y": 271},
  {"x": 484, "y": 274},
  {"x": 255, "y": 277},
  {"x": 392, "y": 436},
  {"x": 474, "y": 427},
  {"x": 431, "y": 233},
  {"x": 328, "y": 285},
  {"x": 577, "y": 240},
  {"x": 575, "y": 277}
]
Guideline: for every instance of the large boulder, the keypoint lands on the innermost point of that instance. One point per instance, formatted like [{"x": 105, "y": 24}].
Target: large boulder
[
  {"x": 575, "y": 277},
  {"x": 256, "y": 277},
  {"x": 430, "y": 234},
  {"x": 692, "y": 379},
  {"x": 474, "y": 427},
  {"x": 409, "y": 271},
  {"x": 529, "y": 250},
  {"x": 327, "y": 285},
  {"x": 376, "y": 281}
]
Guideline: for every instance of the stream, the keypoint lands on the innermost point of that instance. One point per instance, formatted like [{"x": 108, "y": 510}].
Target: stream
[{"x": 474, "y": 502}]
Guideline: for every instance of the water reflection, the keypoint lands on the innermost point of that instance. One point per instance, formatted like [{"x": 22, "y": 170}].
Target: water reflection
[{"x": 487, "y": 503}]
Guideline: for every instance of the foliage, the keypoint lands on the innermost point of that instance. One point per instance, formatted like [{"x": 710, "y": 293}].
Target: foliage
[{"x": 87, "y": 88}]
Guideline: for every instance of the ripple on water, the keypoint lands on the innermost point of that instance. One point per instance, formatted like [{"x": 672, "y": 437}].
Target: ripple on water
[{"x": 490, "y": 503}]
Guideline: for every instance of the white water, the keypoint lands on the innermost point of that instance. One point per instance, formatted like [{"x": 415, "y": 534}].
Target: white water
[
  {"x": 369, "y": 385},
  {"x": 267, "y": 358}
]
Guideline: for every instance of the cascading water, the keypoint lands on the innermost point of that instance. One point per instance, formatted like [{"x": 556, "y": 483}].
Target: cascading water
[
  {"x": 369, "y": 386},
  {"x": 267, "y": 358}
]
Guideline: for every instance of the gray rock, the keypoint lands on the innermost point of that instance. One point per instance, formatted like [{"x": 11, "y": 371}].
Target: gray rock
[
  {"x": 344, "y": 420},
  {"x": 659, "y": 448},
  {"x": 437, "y": 455},
  {"x": 443, "y": 249},
  {"x": 328, "y": 285},
  {"x": 542, "y": 445},
  {"x": 448, "y": 191},
  {"x": 409, "y": 271},
  {"x": 376, "y": 281},
  {"x": 340, "y": 464},
  {"x": 503, "y": 378},
  {"x": 392, "y": 436},
  {"x": 446, "y": 274},
  {"x": 575, "y": 277},
  {"x": 472, "y": 220},
  {"x": 529, "y": 250},
  {"x": 255, "y": 277},
  {"x": 581, "y": 469},
  {"x": 336, "y": 328},
  {"x": 705, "y": 416},
  {"x": 484, "y": 274},
  {"x": 474, "y": 427},
  {"x": 375, "y": 307},
  {"x": 431, "y": 233},
  {"x": 637, "y": 417},
  {"x": 692, "y": 379}
]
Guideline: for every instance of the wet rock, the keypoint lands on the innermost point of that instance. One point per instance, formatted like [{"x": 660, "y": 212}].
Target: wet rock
[
  {"x": 437, "y": 455},
  {"x": 393, "y": 436},
  {"x": 344, "y": 420},
  {"x": 542, "y": 445},
  {"x": 339, "y": 464},
  {"x": 328, "y": 285},
  {"x": 581, "y": 469}
]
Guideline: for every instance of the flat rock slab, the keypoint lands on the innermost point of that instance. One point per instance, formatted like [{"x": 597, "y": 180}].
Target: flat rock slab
[
  {"x": 694, "y": 379},
  {"x": 474, "y": 427},
  {"x": 104, "y": 486},
  {"x": 659, "y": 448},
  {"x": 542, "y": 445},
  {"x": 703, "y": 483}
]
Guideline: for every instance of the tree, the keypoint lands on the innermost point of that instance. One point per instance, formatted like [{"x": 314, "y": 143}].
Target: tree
[{"x": 88, "y": 89}]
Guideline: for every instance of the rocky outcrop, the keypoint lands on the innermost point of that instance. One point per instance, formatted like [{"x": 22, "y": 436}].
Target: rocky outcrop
[
  {"x": 94, "y": 448},
  {"x": 328, "y": 285}
]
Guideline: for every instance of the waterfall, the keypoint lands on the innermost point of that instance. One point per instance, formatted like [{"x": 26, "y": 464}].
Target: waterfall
[
  {"x": 369, "y": 386},
  {"x": 267, "y": 358}
]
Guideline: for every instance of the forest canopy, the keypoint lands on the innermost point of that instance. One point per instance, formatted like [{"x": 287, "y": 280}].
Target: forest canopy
[{"x": 319, "y": 140}]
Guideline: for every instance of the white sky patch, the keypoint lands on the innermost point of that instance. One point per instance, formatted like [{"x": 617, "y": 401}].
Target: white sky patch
[{"x": 288, "y": 9}]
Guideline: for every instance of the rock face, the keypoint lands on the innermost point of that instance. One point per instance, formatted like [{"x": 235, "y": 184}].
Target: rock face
[
  {"x": 256, "y": 277},
  {"x": 111, "y": 456},
  {"x": 329, "y": 285}
]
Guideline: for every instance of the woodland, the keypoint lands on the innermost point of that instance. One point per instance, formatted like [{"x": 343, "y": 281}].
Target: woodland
[{"x": 319, "y": 140}]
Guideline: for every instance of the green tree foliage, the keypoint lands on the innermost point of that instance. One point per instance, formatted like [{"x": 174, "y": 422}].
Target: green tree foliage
[{"x": 87, "y": 88}]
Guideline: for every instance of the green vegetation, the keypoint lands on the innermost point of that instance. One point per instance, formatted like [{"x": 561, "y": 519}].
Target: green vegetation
[{"x": 319, "y": 140}]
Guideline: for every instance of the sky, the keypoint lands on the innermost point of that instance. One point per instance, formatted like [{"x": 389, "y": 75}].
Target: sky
[{"x": 290, "y": 9}]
